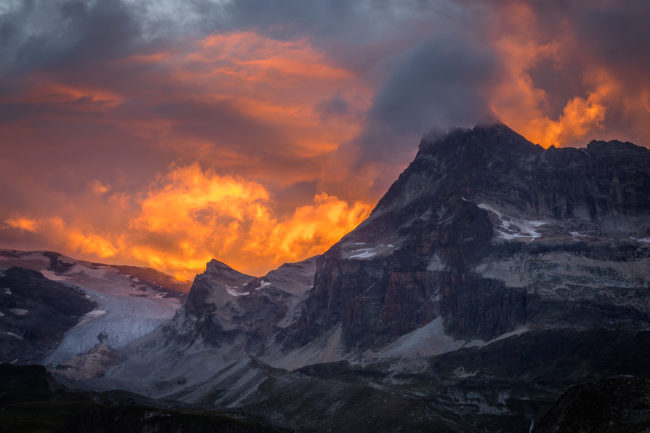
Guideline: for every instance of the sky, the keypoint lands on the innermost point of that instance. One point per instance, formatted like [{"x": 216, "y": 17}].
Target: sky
[{"x": 165, "y": 133}]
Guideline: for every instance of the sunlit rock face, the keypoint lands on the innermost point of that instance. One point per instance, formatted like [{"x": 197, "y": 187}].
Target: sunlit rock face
[{"x": 492, "y": 233}]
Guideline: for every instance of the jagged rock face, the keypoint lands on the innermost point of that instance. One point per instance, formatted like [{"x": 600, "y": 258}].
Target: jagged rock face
[
  {"x": 491, "y": 232},
  {"x": 228, "y": 308},
  {"x": 91, "y": 365}
]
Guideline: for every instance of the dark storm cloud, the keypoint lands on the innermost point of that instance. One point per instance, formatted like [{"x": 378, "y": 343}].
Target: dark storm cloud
[
  {"x": 439, "y": 83},
  {"x": 63, "y": 34},
  {"x": 612, "y": 31}
]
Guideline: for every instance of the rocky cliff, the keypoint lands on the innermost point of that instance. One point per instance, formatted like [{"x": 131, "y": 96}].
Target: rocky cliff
[{"x": 492, "y": 233}]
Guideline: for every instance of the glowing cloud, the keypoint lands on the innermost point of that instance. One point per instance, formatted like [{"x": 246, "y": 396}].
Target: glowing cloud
[
  {"x": 22, "y": 223},
  {"x": 191, "y": 215}
]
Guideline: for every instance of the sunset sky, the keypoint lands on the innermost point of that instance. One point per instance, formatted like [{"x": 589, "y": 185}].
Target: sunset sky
[{"x": 165, "y": 133}]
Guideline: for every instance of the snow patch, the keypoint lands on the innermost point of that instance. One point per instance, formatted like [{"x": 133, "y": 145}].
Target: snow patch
[
  {"x": 364, "y": 253},
  {"x": 7, "y": 291},
  {"x": 235, "y": 293},
  {"x": 11, "y": 334},
  {"x": 644, "y": 240},
  {"x": 517, "y": 331},
  {"x": 462, "y": 373},
  {"x": 436, "y": 264},
  {"x": 19, "y": 311},
  {"x": 514, "y": 228},
  {"x": 91, "y": 315},
  {"x": 2, "y": 314},
  {"x": 51, "y": 275},
  {"x": 262, "y": 285}
]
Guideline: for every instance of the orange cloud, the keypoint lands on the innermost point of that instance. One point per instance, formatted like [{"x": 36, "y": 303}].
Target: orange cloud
[
  {"x": 191, "y": 215},
  {"x": 74, "y": 96},
  {"x": 99, "y": 187},
  {"x": 266, "y": 98},
  {"x": 518, "y": 102},
  {"x": 22, "y": 223},
  {"x": 55, "y": 230},
  {"x": 315, "y": 227},
  {"x": 201, "y": 215},
  {"x": 279, "y": 82}
]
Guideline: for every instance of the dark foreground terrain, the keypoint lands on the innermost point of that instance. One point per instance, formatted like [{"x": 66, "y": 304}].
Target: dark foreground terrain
[{"x": 32, "y": 401}]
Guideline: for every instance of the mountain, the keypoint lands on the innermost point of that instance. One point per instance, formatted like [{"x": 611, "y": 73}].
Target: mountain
[
  {"x": 482, "y": 285},
  {"x": 489, "y": 234},
  {"x": 77, "y": 315},
  {"x": 492, "y": 276}
]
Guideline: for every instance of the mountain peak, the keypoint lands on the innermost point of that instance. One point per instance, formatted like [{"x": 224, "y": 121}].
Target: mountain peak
[{"x": 479, "y": 142}]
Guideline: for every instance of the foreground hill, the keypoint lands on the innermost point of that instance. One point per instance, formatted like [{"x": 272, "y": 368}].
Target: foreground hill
[{"x": 33, "y": 402}]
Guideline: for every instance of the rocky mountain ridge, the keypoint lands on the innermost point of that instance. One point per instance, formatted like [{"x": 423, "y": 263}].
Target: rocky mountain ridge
[
  {"x": 492, "y": 233},
  {"x": 481, "y": 287}
]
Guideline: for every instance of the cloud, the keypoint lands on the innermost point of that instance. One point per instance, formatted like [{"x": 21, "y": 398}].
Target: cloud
[
  {"x": 22, "y": 223},
  {"x": 191, "y": 215},
  {"x": 310, "y": 108}
]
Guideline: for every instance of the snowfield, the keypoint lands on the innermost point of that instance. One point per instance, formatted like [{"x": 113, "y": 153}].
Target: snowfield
[
  {"x": 127, "y": 308},
  {"x": 514, "y": 228}
]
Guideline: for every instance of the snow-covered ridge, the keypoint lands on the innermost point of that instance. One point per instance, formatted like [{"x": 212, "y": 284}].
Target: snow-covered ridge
[{"x": 127, "y": 307}]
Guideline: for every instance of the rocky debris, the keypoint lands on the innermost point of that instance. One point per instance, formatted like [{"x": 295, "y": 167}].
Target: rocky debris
[{"x": 91, "y": 365}]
